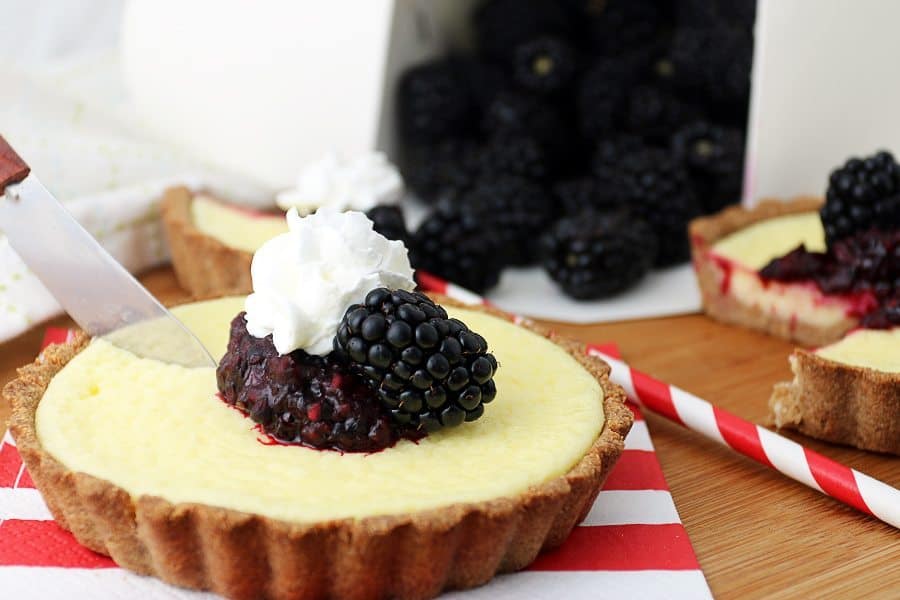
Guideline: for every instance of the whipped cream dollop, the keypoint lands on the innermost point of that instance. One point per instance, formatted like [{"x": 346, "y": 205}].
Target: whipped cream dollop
[
  {"x": 357, "y": 183},
  {"x": 304, "y": 280}
]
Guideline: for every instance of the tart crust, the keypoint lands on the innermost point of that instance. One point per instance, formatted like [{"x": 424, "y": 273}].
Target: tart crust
[
  {"x": 840, "y": 403},
  {"x": 241, "y": 555},
  {"x": 706, "y": 231},
  {"x": 203, "y": 265}
]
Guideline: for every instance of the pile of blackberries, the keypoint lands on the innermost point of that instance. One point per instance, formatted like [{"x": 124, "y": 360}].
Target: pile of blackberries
[{"x": 632, "y": 107}]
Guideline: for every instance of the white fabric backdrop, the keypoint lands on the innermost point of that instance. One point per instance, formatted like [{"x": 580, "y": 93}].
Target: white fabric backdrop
[
  {"x": 36, "y": 31},
  {"x": 63, "y": 107}
]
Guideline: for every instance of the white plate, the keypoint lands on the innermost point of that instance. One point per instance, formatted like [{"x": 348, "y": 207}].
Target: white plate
[{"x": 531, "y": 292}]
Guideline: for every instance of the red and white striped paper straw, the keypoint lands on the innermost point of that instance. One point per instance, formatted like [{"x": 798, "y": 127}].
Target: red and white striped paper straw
[
  {"x": 798, "y": 462},
  {"x": 821, "y": 473}
]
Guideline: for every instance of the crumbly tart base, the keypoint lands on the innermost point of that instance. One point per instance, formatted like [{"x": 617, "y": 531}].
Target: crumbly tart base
[
  {"x": 240, "y": 555},
  {"x": 706, "y": 231},
  {"x": 203, "y": 265},
  {"x": 839, "y": 403}
]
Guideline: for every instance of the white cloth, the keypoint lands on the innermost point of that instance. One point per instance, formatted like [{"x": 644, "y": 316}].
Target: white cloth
[
  {"x": 70, "y": 122},
  {"x": 126, "y": 222},
  {"x": 34, "y": 32}
]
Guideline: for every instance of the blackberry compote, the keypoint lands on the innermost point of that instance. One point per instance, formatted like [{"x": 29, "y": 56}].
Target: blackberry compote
[
  {"x": 865, "y": 265},
  {"x": 303, "y": 399}
]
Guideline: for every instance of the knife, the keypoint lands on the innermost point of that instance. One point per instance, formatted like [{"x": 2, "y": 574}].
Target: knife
[{"x": 97, "y": 292}]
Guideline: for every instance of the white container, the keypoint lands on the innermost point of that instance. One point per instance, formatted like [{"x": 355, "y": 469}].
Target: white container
[
  {"x": 825, "y": 87},
  {"x": 261, "y": 88}
]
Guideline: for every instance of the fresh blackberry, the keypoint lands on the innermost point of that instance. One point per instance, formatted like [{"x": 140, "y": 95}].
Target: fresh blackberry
[
  {"x": 516, "y": 210},
  {"x": 433, "y": 102},
  {"x": 580, "y": 194},
  {"x": 714, "y": 158},
  {"x": 606, "y": 163},
  {"x": 484, "y": 80},
  {"x": 626, "y": 25},
  {"x": 864, "y": 192},
  {"x": 655, "y": 112},
  {"x": 388, "y": 221},
  {"x": 441, "y": 171},
  {"x": 661, "y": 70},
  {"x": 612, "y": 150},
  {"x": 713, "y": 13},
  {"x": 659, "y": 191},
  {"x": 713, "y": 63},
  {"x": 601, "y": 97},
  {"x": 459, "y": 246},
  {"x": 593, "y": 255},
  {"x": 298, "y": 398},
  {"x": 738, "y": 13},
  {"x": 515, "y": 114},
  {"x": 519, "y": 155},
  {"x": 544, "y": 65},
  {"x": 430, "y": 371},
  {"x": 501, "y": 25}
]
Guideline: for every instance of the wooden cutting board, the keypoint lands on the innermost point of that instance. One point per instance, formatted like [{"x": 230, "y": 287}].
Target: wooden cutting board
[{"x": 756, "y": 533}]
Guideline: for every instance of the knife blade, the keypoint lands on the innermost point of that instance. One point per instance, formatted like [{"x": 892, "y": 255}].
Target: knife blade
[{"x": 98, "y": 293}]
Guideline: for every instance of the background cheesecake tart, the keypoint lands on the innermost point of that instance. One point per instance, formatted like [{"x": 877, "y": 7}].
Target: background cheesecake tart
[
  {"x": 812, "y": 270},
  {"x": 143, "y": 461},
  {"x": 212, "y": 242},
  {"x": 847, "y": 392},
  {"x": 730, "y": 248}
]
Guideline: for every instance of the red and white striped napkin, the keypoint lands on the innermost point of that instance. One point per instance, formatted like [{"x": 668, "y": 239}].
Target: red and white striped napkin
[{"x": 631, "y": 543}]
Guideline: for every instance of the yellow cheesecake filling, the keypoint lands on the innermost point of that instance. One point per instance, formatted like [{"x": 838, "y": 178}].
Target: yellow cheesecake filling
[
  {"x": 755, "y": 246},
  {"x": 159, "y": 429},
  {"x": 877, "y": 349},
  {"x": 238, "y": 228}
]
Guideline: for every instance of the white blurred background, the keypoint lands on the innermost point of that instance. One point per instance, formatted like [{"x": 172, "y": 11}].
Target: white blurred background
[
  {"x": 63, "y": 107},
  {"x": 35, "y": 32}
]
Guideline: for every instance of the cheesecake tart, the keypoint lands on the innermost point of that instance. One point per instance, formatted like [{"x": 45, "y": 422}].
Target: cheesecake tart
[
  {"x": 808, "y": 270},
  {"x": 212, "y": 242},
  {"x": 143, "y": 461},
  {"x": 813, "y": 270},
  {"x": 847, "y": 392},
  {"x": 730, "y": 248}
]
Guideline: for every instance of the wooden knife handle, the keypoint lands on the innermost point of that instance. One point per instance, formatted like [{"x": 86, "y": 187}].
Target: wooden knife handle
[{"x": 12, "y": 168}]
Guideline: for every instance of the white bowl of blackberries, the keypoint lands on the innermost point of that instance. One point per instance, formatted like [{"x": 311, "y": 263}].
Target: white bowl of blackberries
[{"x": 579, "y": 136}]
